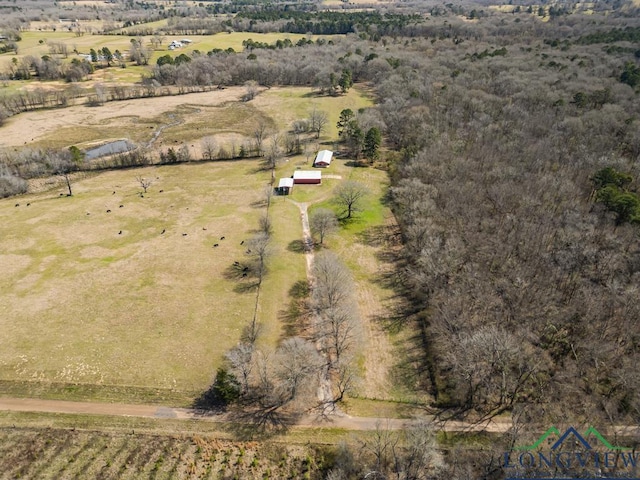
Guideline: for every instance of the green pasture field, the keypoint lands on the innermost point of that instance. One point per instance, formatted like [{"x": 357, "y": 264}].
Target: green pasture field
[
  {"x": 35, "y": 43},
  {"x": 86, "y": 304},
  {"x": 286, "y": 105}
]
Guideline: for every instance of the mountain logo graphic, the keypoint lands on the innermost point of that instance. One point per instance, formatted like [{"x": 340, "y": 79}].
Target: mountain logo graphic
[{"x": 571, "y": 433}]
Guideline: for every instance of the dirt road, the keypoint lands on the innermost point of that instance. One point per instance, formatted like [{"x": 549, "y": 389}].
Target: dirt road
[{"x": 153, "y": 411}]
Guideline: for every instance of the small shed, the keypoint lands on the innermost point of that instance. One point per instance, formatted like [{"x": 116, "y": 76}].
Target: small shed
[
  {"x": 285, "y": 186},
  {"x": 323, "y": 159},
  {"x": 308, "y": 177}
]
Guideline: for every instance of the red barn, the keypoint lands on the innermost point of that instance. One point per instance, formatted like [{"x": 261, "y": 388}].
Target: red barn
[{"x": 307, "y": 177}]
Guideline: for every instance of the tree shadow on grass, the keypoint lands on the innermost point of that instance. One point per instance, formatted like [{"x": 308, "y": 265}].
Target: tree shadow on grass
[
  {"x": 294, "y": 317},
  {"x": 297, "y": 246},
  {"x": 253, "y": 423},
  {"x": 243, "y": 273}
]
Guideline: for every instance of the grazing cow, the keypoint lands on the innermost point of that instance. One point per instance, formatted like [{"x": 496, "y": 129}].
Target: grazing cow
[
  {"x": 162, "y": 232},
  {"x": 108, "y": 211},
  {"x": 204, "y": 228},
  {"x": 221, "y": 238},
  {"x": 242, "y": 242},
  {"x": 215, "y": 245},
  {"x": 113, "y": 193},
  {"x": 237, "y": 264},
  {"x": 161, "y": 191},
  {"x": 120, "y": 232},
  {"x": 17, "y": 204},
  {"x": 245, "y": 269},
  {"x": 184, "y": 234},
  {"x": 244, "y": 274},
  {"x": 28, "y": 204},
  {"x": 121, "y": 206}
]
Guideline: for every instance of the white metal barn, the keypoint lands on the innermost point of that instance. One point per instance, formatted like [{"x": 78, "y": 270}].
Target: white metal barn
[
  {"x": 323, "y": 159},
  {"x": 285, "y": 186}
]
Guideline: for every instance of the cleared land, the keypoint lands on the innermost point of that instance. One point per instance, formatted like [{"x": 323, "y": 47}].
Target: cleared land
[
  {"x": 86, "y": 304},
  {"x": 183, "y": 119},
  {"x": 60, "y": 453},
  {"x": 103, "y": 305},
  {"x": 37, "y": 43}
]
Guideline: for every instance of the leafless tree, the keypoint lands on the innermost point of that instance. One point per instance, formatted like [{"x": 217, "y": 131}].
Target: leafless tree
[
  {"x": 323, "y": 222},
  {"x": 62, "y": 165},
  {"x": 332, "y": 282},
  {"x": 350, "y": 195},
  {"x": 155, "y": 41},
  {"x": 241, "y": 359},
  {"x": 318, "y": 121},
  {"x": 259, "y": 248},
  {"x": 258, "y": 135},
  {"x": 297, "y": 364},
  {"x": 268, "y": 196},
  {"x": 208, "y": 146},
  {"x": 420, "y": 459},
  {"x": 183, "y": 154},
  {"x": 492, "y": 367},
  {"x": 344, "y": 379},
  {"x": 283, "y": 383},
  {"x": 337, "y": 321},
  {"x": 338, "y": 330},
  {"x": 265, "y": 225},
  {"x": 139, "y": 53},
  {"x": 251, "y": 90},
  {"x": 145, "y": 183}
]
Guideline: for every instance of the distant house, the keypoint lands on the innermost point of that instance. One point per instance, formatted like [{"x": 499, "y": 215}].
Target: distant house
[
  {"x": 307, "y": 177},
  {"x": 175, "y": 44},
  {"x": 285, "y": 186},
  {"x": 323, "y": 159}
]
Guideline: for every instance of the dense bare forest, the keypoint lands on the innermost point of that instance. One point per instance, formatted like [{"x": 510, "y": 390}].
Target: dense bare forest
[{"x": 513, "y": 145}]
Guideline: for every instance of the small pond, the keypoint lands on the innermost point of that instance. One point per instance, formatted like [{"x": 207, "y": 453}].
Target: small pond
[{"x": 110, "y": 148}]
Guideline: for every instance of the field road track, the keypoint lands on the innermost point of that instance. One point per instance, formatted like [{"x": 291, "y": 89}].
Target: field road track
[
  {"x": 335, "y": 421},
  {"x": 159, "y": 412}
]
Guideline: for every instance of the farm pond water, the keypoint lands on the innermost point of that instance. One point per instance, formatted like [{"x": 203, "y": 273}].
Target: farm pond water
[{"x": 117, "y": 146}]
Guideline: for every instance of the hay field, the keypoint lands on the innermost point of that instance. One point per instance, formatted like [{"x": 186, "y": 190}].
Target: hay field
[{"x": 105, "y": 298}]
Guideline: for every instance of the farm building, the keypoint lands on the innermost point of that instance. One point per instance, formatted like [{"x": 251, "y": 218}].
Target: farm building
[
  {"x": 323, "y": 159},
  {"x": 307, "y": 177},
  {"x": 285, "y": 186}
]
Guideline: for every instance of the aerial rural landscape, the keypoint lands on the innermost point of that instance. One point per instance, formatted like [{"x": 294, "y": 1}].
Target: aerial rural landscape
[{"x": 319, "y": 239}]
